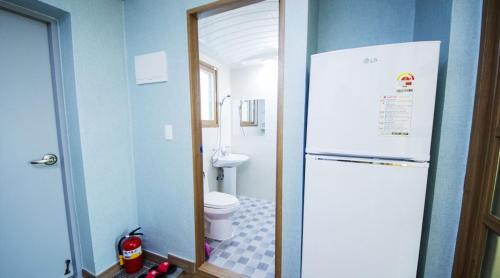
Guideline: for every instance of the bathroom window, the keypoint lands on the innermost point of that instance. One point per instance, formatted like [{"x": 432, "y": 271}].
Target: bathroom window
[{"x": 208, "y": 95}]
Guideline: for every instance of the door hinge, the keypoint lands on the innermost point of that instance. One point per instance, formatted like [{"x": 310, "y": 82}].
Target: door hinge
[
  {"x": 67, "y": 271},
  {"x": 201, "y": 149}
]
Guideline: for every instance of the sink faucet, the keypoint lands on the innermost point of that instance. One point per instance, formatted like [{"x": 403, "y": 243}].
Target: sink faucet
[
  {"x": 226, "y": 150},
  {"x": 220, "y": 153}
]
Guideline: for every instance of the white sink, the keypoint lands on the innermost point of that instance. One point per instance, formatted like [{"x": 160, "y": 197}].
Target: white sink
[{"x": 229, "y": 160}]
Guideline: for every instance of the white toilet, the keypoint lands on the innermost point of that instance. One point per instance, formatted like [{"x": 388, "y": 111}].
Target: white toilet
[{"x": 219, "y": 207}]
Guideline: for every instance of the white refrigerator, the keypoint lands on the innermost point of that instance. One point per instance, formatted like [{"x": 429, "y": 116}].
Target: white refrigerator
[{"x": 369, "y": 130}]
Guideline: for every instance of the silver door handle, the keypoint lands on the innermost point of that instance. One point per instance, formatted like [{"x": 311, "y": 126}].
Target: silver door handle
[{"x": 48, "y": 159}]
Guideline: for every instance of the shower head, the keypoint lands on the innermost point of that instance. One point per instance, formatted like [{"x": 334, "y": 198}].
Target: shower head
[{"x": 224, "y": 99}]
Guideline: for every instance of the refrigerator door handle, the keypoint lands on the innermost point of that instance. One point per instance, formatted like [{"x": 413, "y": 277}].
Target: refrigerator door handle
[
  {"x": 399, "y": 164},
  {"x": 371, "y": 161}
]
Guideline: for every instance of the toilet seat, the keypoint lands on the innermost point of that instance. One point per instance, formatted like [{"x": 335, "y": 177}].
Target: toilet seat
[
  {"x": 219, "y": 208},
  {"x": 219, "y": 200}
]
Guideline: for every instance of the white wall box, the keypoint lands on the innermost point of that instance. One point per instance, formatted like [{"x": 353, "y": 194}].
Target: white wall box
[{"x": 151, "y": 68}]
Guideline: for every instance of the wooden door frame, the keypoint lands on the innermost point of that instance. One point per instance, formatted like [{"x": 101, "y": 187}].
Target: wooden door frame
[
  {"x": 202, "y": 268},
  {"x": 472, "y": 233}
]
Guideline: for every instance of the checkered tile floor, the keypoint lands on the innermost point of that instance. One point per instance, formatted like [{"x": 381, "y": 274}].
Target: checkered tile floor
[{"x": 251, "y": 250}]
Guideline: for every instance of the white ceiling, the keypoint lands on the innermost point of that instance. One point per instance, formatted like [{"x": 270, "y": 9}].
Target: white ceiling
[{"x": 242, "y": 34}]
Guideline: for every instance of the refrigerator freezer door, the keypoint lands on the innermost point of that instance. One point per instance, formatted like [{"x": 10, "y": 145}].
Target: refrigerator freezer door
[
  {"x": 373, "y": 101},
  {"x": 361, "y": 219}
]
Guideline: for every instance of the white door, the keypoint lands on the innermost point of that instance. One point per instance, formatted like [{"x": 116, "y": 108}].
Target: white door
[
  {"x": 34, "y": 240},
  {"x": 362, "y": 220},
  {"x": 373, "y": 101}
]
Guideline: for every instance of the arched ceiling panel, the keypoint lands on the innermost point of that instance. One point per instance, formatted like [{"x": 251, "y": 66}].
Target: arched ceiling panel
[{"x": 241, "y": 34}]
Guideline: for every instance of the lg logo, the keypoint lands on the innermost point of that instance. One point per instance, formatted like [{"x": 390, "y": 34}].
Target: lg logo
[{"x": 370, "y": 60}]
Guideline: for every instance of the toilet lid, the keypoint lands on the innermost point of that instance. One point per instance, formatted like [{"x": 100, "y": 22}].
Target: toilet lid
[{"x": 220, "y": 200}]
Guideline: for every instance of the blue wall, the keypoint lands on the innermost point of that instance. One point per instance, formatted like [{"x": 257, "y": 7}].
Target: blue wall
[
  {"x": 294, "y": 99},
  {"x": 96, "y": 96},
  {"x": 355, "y": 23},
  {"x": 453, "y": 123},
  {"x": 164, "y": 168},
  {"x": 104, "y": 121},
  {"x": 346, "y": 24}
]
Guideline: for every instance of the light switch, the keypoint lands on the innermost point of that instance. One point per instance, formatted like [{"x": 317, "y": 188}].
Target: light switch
[{"x": 169, "y": 134}]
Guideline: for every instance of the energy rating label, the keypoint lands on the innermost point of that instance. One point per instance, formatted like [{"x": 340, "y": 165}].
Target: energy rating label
[{"x": 395, "y": 114}]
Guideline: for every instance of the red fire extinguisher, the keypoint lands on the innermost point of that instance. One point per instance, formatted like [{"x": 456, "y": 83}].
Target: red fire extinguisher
[{"x": 130, "y": 251}]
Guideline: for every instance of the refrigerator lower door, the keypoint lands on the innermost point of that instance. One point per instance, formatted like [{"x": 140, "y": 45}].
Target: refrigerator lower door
[{"x": 362, "y": 218}]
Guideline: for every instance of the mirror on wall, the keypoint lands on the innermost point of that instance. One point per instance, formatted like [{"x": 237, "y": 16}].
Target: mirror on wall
[{"x": 253, "y": 113}]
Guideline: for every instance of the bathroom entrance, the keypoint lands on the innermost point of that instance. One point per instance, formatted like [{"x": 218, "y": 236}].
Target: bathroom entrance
[{"x": 235, "y": 50}]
